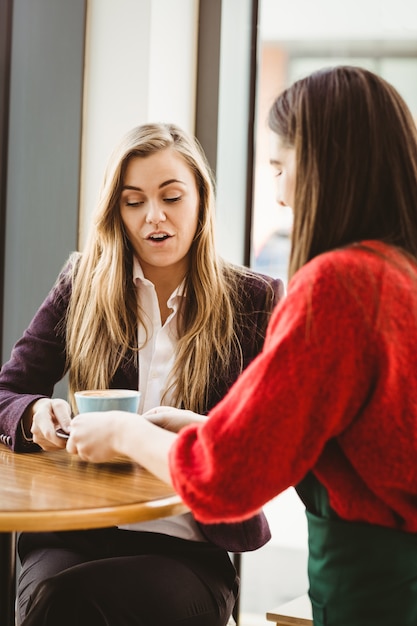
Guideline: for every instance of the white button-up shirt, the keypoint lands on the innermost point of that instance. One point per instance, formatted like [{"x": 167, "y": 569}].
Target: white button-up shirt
[
  {"x": 156, "y": 359},
  {"x": 156, "y": 356}
]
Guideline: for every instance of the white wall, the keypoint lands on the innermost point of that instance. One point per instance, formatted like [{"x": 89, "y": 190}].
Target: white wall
[
  {"x": 326, "y": 19},
  {"x": 141, "y": 58}
]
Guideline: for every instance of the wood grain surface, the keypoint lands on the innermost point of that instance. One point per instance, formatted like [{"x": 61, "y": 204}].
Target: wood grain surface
[{"x": 57, "y": 491}]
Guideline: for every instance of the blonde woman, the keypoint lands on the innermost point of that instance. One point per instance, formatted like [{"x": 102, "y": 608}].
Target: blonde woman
[{"x": 148, "y": 305}]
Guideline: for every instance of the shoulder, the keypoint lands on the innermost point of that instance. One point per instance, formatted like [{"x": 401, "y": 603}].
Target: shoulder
[
  {"x": 359, "y": 285},
  {"x": 256, "y": 286},
  {"x": 354, "y": 268},
  {"x": 63, "y": 285},
  {"x": 328, "y": 276}
]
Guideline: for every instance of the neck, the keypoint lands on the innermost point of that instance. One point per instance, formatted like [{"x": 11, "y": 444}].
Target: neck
[{"x": 165, "y": 281}]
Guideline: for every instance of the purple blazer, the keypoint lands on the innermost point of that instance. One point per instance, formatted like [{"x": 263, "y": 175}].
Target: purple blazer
[{"x": 38, "y": 362}]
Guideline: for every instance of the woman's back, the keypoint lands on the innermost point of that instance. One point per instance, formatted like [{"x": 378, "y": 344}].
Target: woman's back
[{"x": 344, "y": 336}]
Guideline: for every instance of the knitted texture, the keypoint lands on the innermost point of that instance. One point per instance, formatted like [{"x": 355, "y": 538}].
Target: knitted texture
[{"x": 334, "y": 391}]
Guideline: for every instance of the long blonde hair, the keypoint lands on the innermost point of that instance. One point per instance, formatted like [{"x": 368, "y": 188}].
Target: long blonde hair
[{"x": 103, "y": 314}]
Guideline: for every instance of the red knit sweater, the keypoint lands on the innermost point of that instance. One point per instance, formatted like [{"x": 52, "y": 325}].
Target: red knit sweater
[{"x": 334, "y": 391}]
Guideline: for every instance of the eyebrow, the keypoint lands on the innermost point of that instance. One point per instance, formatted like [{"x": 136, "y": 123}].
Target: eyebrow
[
  {"x": 161, "y": 186},
  {"x": 275, "y": 162}
]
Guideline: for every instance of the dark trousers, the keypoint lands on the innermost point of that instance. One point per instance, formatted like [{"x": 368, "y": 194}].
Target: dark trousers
[{"x": 112, "y": 577}]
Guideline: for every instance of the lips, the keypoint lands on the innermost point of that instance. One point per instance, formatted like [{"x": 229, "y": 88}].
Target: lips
[{"x": 158, "y": 236}]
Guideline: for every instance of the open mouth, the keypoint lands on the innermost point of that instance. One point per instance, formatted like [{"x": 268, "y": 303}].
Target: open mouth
[{"x": 159, "y": 237}]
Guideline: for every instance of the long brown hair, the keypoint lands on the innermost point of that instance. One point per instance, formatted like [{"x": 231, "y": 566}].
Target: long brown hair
[
  {"x": 103, "y": 314},
  {"x": 356, "y": 160}
]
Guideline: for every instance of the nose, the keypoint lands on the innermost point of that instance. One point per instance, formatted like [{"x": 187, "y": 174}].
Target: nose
[
  {"x": 281, "y": 202},
  {"x": 155, "y": 214},
  {"x": 279, "y": 197}
]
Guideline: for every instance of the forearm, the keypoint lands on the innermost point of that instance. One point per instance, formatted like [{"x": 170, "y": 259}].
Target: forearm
[{"x": 149, "y": 446}]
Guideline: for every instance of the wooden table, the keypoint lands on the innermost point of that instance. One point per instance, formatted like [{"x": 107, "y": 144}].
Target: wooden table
[
  {"x": 49, "y": 491},
  {"x": 297, "y": 612}
]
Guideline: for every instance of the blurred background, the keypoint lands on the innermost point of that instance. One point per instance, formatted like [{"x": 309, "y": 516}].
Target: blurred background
[{"x": 299, "y": 37}]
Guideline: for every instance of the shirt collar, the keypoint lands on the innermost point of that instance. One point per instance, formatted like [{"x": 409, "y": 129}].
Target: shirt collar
[{"x": 139, "y": 278}]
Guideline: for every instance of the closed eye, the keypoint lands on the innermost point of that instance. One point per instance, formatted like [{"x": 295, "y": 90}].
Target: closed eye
[
  {"x": 135, "y": 203},
  {"x": 172, "y": 200},
  {"x": 276, "y": 167}
]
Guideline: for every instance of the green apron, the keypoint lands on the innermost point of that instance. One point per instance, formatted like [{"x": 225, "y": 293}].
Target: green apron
[{"x": 360, "y": 574}]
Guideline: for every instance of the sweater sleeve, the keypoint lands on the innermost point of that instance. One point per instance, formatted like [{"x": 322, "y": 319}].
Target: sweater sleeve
[{"x": 300, "y": 392}]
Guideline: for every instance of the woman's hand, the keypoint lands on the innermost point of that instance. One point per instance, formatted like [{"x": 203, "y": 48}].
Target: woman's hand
[
  {"x": 173, "y": 419},
  {"x": 42, "y": 419},
  {"x": 97, "y": 437},
  {"x": 100, "y": 437}
]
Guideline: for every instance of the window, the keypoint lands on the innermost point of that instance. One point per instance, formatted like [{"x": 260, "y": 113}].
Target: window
[{"x": 297, "y": 38}]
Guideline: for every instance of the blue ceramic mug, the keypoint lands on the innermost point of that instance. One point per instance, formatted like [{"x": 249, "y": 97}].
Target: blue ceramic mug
[{"x": 107, "y": 400}]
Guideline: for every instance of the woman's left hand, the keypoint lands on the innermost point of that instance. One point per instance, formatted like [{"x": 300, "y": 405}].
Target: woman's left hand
[{"x": 173, "y": 419}]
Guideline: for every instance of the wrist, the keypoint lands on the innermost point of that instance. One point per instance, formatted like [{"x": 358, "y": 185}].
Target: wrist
[
  {"x": 123, "y": 433},
  {"x": 27, "y": 419},
  {"x": 26, "y": 423}
]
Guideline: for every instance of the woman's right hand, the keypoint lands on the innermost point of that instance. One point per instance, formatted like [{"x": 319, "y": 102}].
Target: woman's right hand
[{"x": 43, "y": 417}]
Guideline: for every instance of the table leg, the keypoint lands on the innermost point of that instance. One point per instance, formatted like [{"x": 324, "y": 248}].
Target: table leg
[
  {"x": 237, "y": 561},
  {"x": 7, "y": 578}
]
